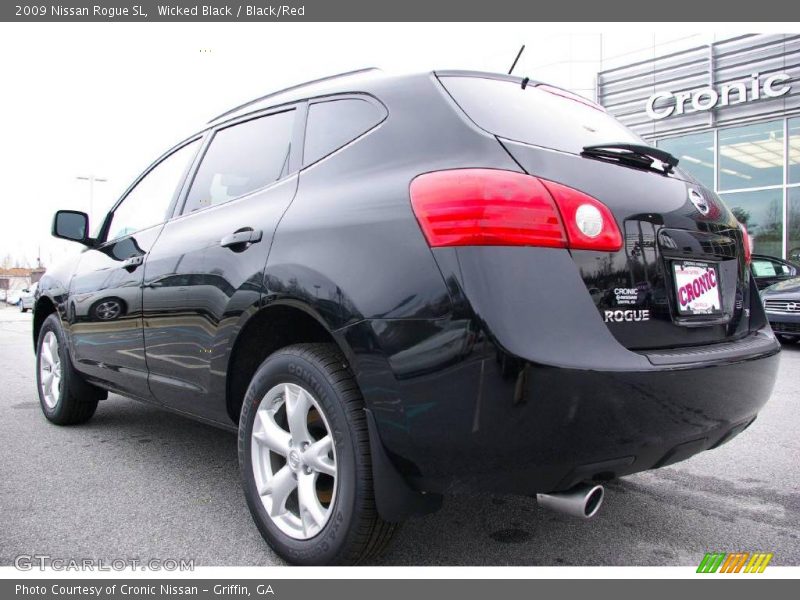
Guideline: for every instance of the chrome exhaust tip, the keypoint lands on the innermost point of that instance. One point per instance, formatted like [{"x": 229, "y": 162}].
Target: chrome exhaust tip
[{"x": 583, "y": 501}]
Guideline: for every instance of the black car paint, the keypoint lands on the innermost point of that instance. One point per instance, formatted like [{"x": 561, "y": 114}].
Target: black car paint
[
  {"x": 658, "y": 222},
  {"x": 113, "y": 352},
  {"x": 479, "y": 366}
]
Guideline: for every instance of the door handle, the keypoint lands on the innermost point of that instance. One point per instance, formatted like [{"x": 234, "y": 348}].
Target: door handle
[
  {"x": 241, "y": 238},
  {"x": 132, "y": 263}
]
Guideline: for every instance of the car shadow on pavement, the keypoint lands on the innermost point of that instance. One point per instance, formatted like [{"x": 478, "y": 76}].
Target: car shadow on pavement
[{"x": 152, "y": 475}]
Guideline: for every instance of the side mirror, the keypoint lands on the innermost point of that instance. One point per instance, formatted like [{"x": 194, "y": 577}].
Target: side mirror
[{"x": 71, "y": 225}]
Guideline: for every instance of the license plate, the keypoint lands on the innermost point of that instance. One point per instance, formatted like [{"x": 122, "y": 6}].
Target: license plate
[{"x": 697, "y": 288}]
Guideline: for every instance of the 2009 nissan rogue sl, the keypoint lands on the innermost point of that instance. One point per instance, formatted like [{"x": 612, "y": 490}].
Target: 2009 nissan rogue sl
[{"x": 393, "y": 287}]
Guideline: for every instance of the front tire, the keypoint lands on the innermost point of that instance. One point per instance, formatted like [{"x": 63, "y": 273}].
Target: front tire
[
  {"x": 65, "y": 398},
  {"x": 305, "y": 460}
]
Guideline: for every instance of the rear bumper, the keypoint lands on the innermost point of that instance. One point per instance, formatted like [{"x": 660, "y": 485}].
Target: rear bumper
[
  {"x": 482, "y": 418},
  {"x": 572, "y": 425}
]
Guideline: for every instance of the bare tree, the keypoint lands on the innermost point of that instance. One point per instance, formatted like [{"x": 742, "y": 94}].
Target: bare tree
[{"x": 741, "y": 215}]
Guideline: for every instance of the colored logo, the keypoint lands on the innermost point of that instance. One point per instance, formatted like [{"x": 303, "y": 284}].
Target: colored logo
[{"x": 734, "y": 562}]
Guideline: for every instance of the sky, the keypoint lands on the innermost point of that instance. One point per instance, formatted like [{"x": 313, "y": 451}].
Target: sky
[{"x": 106, "y": 99}]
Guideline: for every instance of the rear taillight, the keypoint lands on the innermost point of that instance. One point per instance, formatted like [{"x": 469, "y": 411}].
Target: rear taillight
[
  {"x": 589, "y": 223},
  {"x": 747, "y": 243},
  {"x": 489, "y": 207}
]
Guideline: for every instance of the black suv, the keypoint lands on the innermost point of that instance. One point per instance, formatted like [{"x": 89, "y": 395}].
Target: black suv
[{"x": 398, "y": 286}]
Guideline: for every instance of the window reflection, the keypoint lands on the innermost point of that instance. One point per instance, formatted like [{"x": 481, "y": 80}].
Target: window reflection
[
  {"x": 146, "y": 204},
  {"x": 794, "y": 150},
  {"x": 793, "y": 241},
  {"x": 751, "y": 156},
  {"x": 241, "y": 159},
  {"x": 762, "y": 214},
  {"x": 696, "y": 155}
]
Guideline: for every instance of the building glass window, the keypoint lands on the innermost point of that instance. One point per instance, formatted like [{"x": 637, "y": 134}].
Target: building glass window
[
  {"x": 761, "y": 212},
  {"x": 696, "y": 155},
  {"x": 793, "y": 238},
  {"x": 794, "y": 150},
  {"x": 751, "y": 156}
]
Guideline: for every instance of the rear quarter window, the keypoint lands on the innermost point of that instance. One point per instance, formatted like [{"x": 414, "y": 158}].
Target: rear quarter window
[
  {"x": 333, "y": 123},
  {"x": 535, "y": 115}
]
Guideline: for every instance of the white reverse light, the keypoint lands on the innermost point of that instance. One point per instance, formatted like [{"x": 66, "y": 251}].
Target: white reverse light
[{"x": 589, "y": 220}]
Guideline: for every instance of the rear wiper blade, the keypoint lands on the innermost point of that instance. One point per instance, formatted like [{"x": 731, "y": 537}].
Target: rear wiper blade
[{"x": 636, "y": 154}]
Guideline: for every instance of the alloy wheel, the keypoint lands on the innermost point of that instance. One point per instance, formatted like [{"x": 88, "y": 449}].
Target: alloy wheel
[
  {"x": 108, "y": 310},
  {"x": 50, "y": 371},
  {"x": 294, "y": 461}
]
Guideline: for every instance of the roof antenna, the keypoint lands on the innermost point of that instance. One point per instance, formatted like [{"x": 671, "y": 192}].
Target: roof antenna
[{"x": 514, "y": 64}]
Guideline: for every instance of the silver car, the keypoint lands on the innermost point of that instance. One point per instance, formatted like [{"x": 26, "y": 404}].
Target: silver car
[{"x": 25, "y": 302}]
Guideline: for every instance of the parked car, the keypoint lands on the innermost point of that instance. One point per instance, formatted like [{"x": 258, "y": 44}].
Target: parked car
[
  {"x": 397, "y": 286},
  {"x": 26, "y": 298},
  {"x": 13, "y": 296},
  {"x": 769, "y": 269},
  {"x": 782, "y": 304}
]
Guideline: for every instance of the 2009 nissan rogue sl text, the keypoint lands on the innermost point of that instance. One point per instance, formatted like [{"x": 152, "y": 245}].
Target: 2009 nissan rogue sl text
[{"x": 398, "y": 286}]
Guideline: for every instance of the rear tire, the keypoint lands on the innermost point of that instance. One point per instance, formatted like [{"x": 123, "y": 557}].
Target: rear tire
[
  {"x": 65, "y": 397},
  {"x": 337, "y": 522}
]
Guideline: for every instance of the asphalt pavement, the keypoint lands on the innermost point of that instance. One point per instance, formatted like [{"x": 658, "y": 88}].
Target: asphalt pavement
[{"x": 137, "y": 482}]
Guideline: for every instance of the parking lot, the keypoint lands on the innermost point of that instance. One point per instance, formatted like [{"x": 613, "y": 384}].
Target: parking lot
[{"x": 136, "y": 482}]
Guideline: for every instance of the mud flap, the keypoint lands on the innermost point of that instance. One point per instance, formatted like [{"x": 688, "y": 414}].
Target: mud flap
[{"x": 395, "y": 500}]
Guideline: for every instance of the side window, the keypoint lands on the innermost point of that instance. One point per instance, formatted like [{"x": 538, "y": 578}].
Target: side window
[
  {"x": 764, "y": 268},
  {"x": 242, "y": 158},
  {"x": 147, "y": 203},
  {"x": 334, "y": 123}
]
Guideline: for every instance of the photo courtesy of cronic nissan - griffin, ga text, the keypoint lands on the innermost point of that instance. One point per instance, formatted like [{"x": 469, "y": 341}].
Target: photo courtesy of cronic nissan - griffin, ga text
[{"x": 395, "y": 287}]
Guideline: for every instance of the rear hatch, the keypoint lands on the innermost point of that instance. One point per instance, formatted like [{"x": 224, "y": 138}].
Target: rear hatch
[{"x": 680, "y": 277}]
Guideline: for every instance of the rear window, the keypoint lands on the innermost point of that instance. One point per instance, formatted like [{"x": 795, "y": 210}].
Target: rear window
[
  {"x": 533, "y": 115},
  {"x": 334, "y": 123}
]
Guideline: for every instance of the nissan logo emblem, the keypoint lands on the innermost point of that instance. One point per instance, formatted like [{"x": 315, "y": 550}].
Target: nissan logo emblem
[{"x": 699, "y": 202}]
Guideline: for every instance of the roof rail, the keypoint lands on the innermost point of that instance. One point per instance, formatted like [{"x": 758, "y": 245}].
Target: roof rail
[{"x": 293, "y": 87}]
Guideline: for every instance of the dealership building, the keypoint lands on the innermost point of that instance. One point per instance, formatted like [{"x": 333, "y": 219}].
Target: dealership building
[{"x": 730, "y": 112}]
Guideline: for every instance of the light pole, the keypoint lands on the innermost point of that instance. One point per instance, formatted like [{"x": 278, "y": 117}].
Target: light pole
[{"x": 92, "y": 179}]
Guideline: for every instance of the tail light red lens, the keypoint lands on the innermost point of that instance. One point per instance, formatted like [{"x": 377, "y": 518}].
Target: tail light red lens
[
  {"x": 489, "y": 207},
  {"x": 486, "y": 207},
  {"x": 572, "y": 203},
  {"x": 748, "y": 250}
]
